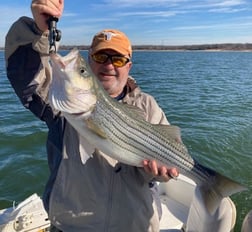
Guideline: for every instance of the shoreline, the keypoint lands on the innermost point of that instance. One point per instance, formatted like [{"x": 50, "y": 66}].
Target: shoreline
[
  {"x": 200, "y": 47},
  {"x": 246, "y": 47}
]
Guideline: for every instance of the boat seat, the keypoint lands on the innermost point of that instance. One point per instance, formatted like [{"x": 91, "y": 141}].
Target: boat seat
[
  {"x": 247, "y": 223},
  {"x": 199, "y": 219},
  {"x": 182, "y": 205},
  {"x": 176, "y": 197},
  {"x": 174, "y": 214}
]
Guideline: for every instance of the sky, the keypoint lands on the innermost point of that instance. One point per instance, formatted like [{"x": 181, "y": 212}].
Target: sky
[{"x": 146, "y": 22}]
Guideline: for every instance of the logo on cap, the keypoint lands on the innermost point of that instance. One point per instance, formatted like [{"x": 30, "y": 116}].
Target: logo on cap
[{"x": 108, "y": 35}]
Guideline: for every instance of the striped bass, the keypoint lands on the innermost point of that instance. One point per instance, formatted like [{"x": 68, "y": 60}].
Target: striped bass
[{"x": 121, "y": 131}]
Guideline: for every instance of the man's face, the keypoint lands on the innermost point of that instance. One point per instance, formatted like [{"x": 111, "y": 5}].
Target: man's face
[{"x": 112, "y": 78}]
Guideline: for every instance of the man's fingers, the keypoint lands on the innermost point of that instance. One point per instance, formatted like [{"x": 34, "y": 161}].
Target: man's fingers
[{"x": 151, "y": 166}]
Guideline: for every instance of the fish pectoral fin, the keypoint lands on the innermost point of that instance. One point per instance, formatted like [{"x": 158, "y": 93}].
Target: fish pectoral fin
[
  {"x": 96, "y": 129},
  {"x": 86, "y": 149}
]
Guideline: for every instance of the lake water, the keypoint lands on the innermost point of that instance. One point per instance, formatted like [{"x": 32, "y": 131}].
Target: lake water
[{"x": 207, "y": 94}]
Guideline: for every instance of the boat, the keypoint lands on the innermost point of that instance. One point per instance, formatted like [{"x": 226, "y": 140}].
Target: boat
[
  {"x": 182, "y": 210},
  {"x": 29, "y": 215},
  {"x": 247, "y": 223}
]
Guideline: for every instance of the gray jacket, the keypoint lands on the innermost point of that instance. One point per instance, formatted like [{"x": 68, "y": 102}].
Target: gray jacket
[{"x": 102, "y": 194}]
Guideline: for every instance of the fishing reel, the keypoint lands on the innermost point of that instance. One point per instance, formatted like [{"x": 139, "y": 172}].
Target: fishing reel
[{"x": 54, "y": 33}]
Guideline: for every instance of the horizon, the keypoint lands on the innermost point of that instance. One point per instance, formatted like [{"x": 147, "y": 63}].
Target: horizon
[
  {"x": 242, "y": 47},
  {"x": 155, "y": 22}
]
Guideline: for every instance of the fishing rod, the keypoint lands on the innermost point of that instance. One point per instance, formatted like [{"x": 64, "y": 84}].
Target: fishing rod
[{"x": 54, "y": 33}]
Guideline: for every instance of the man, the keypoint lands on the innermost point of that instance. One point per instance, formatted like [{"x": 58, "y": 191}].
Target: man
[{"x": 102, "y": 194}]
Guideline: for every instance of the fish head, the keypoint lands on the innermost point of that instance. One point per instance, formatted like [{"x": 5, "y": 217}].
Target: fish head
[{"x": 72, "y": 89}]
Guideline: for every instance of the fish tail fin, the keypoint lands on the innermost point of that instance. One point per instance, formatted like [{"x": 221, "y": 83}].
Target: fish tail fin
[{"x": 222, "y": 186}]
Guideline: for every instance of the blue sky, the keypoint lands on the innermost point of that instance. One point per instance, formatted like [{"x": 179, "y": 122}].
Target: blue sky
[{"x": 160, "y": 22}]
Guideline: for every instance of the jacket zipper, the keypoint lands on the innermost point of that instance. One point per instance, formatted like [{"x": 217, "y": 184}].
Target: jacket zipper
[{"x": 109, "y": 202}]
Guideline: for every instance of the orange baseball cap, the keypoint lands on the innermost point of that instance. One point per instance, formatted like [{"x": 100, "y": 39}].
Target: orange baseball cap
[{"x": 111, "y": 39}]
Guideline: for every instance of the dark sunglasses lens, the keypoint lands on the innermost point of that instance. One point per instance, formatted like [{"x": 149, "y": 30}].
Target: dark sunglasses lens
[
  {"x": 100, "y": 58},
  {"x": 119, "y": 61}
]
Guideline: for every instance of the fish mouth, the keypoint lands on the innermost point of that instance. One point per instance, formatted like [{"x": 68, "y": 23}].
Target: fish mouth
[
  {"x": 78, "y": 114},
  {"x": 57, "y": 59},
  {"x": 71, "y": 108}
]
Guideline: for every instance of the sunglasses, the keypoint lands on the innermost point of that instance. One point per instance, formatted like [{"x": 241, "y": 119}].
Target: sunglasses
[{"x": 116, "y": 60}]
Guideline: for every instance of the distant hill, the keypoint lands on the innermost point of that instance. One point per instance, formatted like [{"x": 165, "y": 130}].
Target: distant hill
[
  {"x": 207, "y": 47},
  {"x": 226, "y": 46}
]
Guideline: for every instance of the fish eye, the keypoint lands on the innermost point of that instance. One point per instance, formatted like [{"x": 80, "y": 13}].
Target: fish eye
[{"x": 82, "y": 70}]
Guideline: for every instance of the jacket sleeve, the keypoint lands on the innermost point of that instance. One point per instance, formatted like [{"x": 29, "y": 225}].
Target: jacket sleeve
[
  {"x": 27, "y": 66},
  {"x": 154, "y": 114}
]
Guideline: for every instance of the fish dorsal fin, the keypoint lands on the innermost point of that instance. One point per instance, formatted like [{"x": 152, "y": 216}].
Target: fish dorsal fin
[
  {"x": 96, "y": 129},
  {"x": 136, "y": 111},
  {"x": 173, "y": 133}
]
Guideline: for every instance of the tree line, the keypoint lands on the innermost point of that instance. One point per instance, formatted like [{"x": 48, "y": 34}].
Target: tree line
[
  {"x": 208, "y": 47},
  {"x": 225, "y": 46}
]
